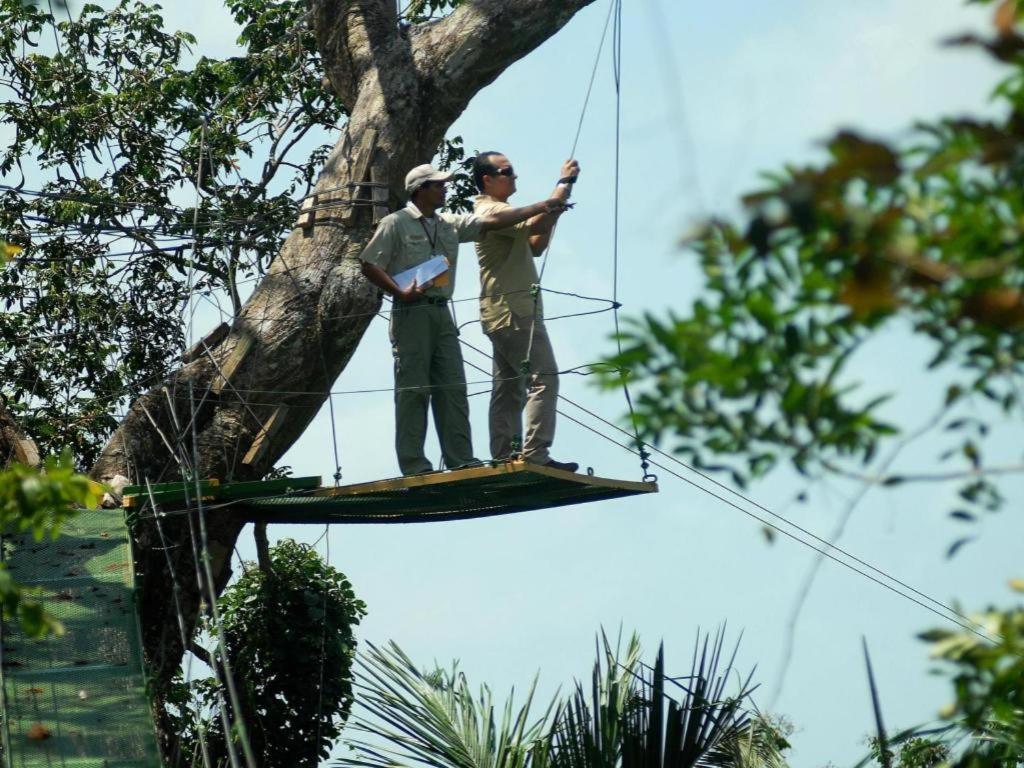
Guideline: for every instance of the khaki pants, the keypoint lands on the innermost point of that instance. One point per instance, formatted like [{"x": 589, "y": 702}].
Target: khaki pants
[
  {"x": 538, "y": 392},
  {"x": 428, "y": 370}
]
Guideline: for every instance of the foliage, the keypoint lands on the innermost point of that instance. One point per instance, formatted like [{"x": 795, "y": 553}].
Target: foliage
[
  {"x": 289, "y": 635},
  {"x": 451, "y": 156},
  {"x": 984, "y": 724},
  {"x": 760, "y": 743},
  {"x": 419, "y": 11},
  {"x": 636, "y": 716},
  {"x": 922, "y": 753},
  {"x": 630, "y": 715},
  {"x": 923, "y": 236},
  {"x": 110, "y": 121},
  {"x": 38, "y": 502},
  {"x": 433, "y": 718},
  {"x": 988, "y": 685}
]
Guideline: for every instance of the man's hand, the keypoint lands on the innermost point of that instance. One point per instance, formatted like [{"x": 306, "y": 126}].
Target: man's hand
[
  {"x": 570, "y": 169},
  {"x": 414, "y": 292},
  {"x": 556, "y": 205}
]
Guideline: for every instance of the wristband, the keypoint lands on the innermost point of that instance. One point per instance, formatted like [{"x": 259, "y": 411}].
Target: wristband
[{"x": 567, "y": 180}]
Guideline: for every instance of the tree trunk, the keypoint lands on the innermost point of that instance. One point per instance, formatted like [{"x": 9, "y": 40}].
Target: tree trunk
[
  {"x": 15, "y": 445},
  {"x": 301, "y": 326}
]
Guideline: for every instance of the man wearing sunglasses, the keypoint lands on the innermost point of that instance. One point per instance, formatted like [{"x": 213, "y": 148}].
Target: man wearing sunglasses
[
  {"x": 424, "y": 340},
  {"x": 512, "y": 315}
]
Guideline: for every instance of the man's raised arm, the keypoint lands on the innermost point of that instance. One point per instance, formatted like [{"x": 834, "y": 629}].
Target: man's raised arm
[
  {"x": 511, "y": 216},
  {"x": 542, "y": 226}
]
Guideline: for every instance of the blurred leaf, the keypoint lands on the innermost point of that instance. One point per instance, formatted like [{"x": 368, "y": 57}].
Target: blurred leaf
[{"x": 957, "y": 545}]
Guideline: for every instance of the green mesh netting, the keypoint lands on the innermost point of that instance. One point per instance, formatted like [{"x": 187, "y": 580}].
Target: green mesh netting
[{"x": 77, "y": 701}]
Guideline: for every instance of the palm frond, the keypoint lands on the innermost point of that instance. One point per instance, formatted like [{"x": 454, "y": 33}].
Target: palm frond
[
  {"x": 635, "y": 716},
  {"x": 406, "y": 716},
  {"x": 759, "y": 744}
]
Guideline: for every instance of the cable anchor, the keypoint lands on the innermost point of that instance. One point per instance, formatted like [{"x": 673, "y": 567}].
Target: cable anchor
[{"x": 645, "y": 465}]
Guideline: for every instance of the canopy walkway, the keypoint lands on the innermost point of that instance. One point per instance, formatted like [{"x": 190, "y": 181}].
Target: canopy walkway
[
  {"x": 456, "y": 495},
  {"x": 78, "y": 700}
]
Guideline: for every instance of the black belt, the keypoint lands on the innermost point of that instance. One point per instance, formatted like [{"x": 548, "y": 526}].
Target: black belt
[{"x": 427, "y": 300}]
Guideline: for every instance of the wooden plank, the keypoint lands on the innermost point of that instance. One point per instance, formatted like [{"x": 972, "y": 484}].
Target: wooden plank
[
  {"x": 360, "y": 170},
  {"x": 479, "y": 473},
  {"x": 227, "y": 370},
  {"x": 262, "y": 440},
  {"x": 379, "y": 191},
  {"x": 26, "y": 452},
  {"x": 307, "y": 217},
  {"x": 209, "y": 341},
  {"x": 594, "y": 480}
]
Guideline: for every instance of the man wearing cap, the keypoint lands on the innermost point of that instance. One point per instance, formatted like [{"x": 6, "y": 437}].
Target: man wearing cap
[
  {"x": 424, "y": 340},
  {"x": 512, "y": 317}
]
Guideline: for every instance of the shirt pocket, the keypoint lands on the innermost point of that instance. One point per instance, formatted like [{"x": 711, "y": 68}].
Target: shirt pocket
[{"x": 416, "y": 241}]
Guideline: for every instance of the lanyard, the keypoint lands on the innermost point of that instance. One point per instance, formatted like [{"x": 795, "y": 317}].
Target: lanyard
[{"x": 431, "y": 240}]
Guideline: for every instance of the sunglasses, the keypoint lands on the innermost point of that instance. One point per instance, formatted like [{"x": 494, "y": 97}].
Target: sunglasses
[{"x": 503, "y": 172}]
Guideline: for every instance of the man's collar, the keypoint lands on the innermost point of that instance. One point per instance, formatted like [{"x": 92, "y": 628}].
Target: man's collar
[{"x": 415, "y": 212}]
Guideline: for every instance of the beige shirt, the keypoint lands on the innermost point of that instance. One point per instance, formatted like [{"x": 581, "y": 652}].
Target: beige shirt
[
  {"x": 507, "y": 271},
  {"x": 407, "y": 238}
]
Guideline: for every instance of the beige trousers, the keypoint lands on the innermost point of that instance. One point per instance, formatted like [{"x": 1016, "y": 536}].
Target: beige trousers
[{"x": 515, "y": 398}]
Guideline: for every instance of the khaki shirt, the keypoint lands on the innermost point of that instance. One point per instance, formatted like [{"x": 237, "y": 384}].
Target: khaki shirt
[
  {"x": 507, "y": 271},
  {"x": 403, "y": 240}
]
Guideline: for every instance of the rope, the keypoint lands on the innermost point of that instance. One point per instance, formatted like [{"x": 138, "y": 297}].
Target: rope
[
  {"x": 623, "y": 373},
  {"x": 536, "y": 288}
]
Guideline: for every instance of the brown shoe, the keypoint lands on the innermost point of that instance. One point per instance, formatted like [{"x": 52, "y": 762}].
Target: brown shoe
[{"x": 565, "y": 466}]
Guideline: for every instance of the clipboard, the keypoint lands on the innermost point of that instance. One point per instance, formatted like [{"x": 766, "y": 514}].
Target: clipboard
[{"x": 435, "y": 269}]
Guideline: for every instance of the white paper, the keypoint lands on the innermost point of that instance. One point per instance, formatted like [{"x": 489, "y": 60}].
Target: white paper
[{"x": 421, "y": 273}]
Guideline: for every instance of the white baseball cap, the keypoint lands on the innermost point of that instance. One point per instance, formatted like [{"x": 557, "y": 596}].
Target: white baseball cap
[{"x": 415, "y": 178}]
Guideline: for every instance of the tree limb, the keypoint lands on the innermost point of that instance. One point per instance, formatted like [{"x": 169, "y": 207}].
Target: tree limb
[
  {"x": 259, "y": 533},
  {"x": 349, "y": 34},
  {"x": 467, "y": 50},
  {"x": 15, "y": 445},
  {"x": 929, "y": 477},
  {"x": 201, "y": 653}
]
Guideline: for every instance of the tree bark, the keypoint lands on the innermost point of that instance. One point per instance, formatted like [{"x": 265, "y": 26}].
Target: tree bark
[
  {"x": 15, "y": 445},
  {"x": 299, "y": 329}
]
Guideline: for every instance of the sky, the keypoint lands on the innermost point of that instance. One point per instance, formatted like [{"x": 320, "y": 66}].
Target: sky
[{"x": 713, "y": 94}]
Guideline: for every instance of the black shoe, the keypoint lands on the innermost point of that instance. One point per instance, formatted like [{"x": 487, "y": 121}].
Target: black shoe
[
  {"x": 565, "y": 466},
  {"x": 420, "y": 472},
  {"x": 471, "y": 464}
]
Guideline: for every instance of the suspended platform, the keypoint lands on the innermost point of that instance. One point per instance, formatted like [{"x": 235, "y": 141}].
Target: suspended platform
[{"x": 460, "y": 494}]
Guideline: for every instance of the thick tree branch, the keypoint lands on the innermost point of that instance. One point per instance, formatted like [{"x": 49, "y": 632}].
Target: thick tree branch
[
  {"x": 467, "y": 50},
  {"x": 201, "y": 653},
  {"x": 259, "y": 533},
  {"x": 15, "y": 445},
  {"x": 349, "y": 34}
]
